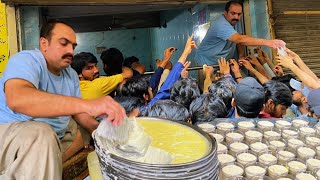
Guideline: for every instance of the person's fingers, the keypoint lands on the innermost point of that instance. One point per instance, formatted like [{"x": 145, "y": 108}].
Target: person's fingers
[
  {"x": 195, "y": 46},
  {"x": 191, "y": 37},
  {"x": 186, "y": 65}
]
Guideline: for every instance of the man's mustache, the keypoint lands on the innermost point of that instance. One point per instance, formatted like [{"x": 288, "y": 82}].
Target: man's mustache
[
  {"x": 67, "y": 56},
  {"x": 235, "y": 20}
]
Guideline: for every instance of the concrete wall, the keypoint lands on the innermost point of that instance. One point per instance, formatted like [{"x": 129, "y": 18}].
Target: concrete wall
[
  {"x": 134, "y": 42},
  {"x": 260, "y": 20},
  {"x": 148, "y": 44},
  {"x": 30, "y": 27}
]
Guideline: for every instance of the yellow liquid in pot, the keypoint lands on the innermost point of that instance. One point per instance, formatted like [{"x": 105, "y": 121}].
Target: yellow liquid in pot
[{"x": 184, "y": 143}]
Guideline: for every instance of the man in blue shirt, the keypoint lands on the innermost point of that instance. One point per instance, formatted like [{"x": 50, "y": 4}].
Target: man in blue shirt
[
  {"x": 223, "y": 38},
  {"x": 39, "y": 92}
]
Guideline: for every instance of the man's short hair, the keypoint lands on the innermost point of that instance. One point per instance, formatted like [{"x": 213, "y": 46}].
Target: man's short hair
[
  {"x": 225, "y": 89},
  {"x": 129, "y": 61},
  {"x": 135, "y": 87},
  {"x": 284, "y": 79},
  {"x": 46, "y": 29},
  {"x": 167, "y": 109},
  {"x": 278, "y": 92},
  {"x": 184, "y": 91},
  {"x": 129, "y": 103},
  {"x": 206, "y": 108},
  {"x": 113, "y": 59},
  {"x": 227, "y": 7},
  {"x": 249, "y": 98},
  {"x": 81, "y": 60}
]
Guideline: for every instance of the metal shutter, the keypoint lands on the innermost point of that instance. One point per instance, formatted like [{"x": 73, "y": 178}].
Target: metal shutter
[{"x": 297, "y": 22}]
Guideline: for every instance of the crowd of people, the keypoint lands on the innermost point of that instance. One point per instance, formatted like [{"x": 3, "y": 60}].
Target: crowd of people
[{"x": 52, "y": 100}]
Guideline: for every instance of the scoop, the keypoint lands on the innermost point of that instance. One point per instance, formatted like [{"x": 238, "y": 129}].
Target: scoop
[{"x": 119, "y": 133}]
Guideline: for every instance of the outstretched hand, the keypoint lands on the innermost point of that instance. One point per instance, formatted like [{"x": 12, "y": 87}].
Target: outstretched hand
[
  {"x": 190, "y": 44},
  {"x": 224, "y": 66},
  {"x": 293, "y": 55},
  {"x": 247, "y": 64},
  {"x": 276, "y": 43},
  {"x": 168, "y": 53},
  {"x": 285, "y": 61},
  {"x": 184, "y": 72},
  {"x": 208, "y": 71},
  {"x": 234, "y": 66},
  {"x": 278, "y": 70}
]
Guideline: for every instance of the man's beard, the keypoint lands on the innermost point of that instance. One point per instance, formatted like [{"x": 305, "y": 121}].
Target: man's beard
[{"x": 297, "y": 102}]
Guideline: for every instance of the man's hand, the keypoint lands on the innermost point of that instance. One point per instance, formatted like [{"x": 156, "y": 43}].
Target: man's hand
[
  {"x": 293, "y": 55},
  {"x": 108, "y": 107},
  {"x": 189, "y": 45},
  {"x": 208, "y": 71},
  {"x": 234, "y": 66},
  {"x": 278, "y": 70},
  {"x": 168, "y": 53},
  {"x": 126, "y": 72},
  {"x": 184, "y": 72},
  {"x": 275, "y": 43},
  {"x": 224, "y": 66},
  {"x": 253, "y": 60},
  {"x": 246, "y": 64},
  {"x": 285, "y": 61}
]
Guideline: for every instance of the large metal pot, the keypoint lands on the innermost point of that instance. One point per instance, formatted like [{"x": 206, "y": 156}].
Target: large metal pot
[{"x": 115, "y": 167}]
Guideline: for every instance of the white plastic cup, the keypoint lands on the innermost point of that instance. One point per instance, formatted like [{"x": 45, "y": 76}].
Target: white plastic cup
[
  {"x": 296, "y": 167},
  {"x": 275, "y": 171},
  {"x": 253, "y": 136},
  {"x": 253, "y": 172},
  {"x": 282, "y": 124},
  {"x": 305, "y": 153},
  {"x": 265, "y": 125},
  {"x": 219, "y": 138},
  {"x": 207, "y": 127},
  {"x": 276, "y": 146},
  {"x": 289, "y": 134},
  {"x": 305, "y": 176},
  {"x": 245, "y": 159},
  {"x": 222, "y": 149},
  {"x": 306, "y": 131},
  {"x": 238, "y": 148},
  {"x": 271, "y": 135},
  {"x": 297, "y": 123},
  {"x": 259, "y": 148},
  {"x": 234, "y": 137},
  {"x": 313, "y": 164},
  {"x": 224, "y": 127},
  {"x": 312, "y": 141},
  {"x": 294, "y": 144},
  {"x": 245, "y": 126},
  {"x": 284, "y": 157},
  {"x": 267, "y": 159},
  {"x": 226, "y": 159},
  {"x": 232, "y": 172}
]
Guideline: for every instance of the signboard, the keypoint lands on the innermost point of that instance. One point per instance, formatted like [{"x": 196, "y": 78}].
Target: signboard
[{"x": 4, "y": 52}]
